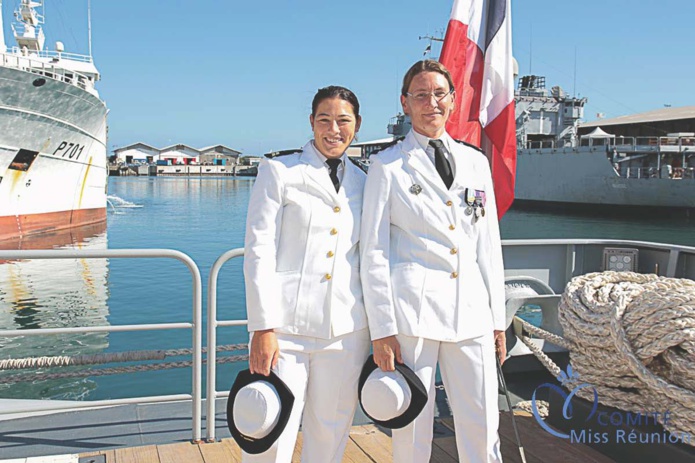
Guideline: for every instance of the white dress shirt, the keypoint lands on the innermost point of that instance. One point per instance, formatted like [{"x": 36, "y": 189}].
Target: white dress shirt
[{"x": 424, "y": 143}]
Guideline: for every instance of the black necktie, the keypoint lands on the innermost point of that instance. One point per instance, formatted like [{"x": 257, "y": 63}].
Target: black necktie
[
  {"x": 333, "y": 171},
  {"x": 441, "y": 163}
]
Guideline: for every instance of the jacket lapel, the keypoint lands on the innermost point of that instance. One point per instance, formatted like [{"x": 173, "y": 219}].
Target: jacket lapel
[
  {"x": 460, "y": 164},
  {"x": 349, "y": 183},
  {"x": 316, "y": 172},
  {"x": 465, "y": 174},
  {"x": 417, "y": 159}
]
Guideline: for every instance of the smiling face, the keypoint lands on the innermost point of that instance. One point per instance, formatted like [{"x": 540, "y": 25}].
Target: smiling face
[
  {"x": 334, "y": 124},
  {"x": 429, "y": 116}
]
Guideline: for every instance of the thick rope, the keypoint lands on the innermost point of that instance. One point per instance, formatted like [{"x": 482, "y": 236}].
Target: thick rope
[
  {"x": 30, "y": 377},
  {"x": 97, "y": 359},
  {"x": 632, "y": 337}
]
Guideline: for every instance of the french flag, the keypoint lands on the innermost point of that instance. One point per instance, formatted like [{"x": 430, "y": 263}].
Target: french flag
[{"x": 477, "y": 51}]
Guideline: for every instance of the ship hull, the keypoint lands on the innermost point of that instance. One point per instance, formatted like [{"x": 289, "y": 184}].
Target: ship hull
[
  {"x": 584, "y": 176},
  {"x": 52, "y": 155}
]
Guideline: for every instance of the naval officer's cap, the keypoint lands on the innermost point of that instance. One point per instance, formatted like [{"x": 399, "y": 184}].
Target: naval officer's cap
[{"x": 258, "y": 409}]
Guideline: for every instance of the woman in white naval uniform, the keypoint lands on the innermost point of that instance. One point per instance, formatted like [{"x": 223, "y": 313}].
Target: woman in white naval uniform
[
  {"x": 303, "y": 294},
  {"x": 432, "y": 270}
]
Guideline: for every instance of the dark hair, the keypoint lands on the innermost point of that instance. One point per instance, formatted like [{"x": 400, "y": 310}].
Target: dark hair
[
  {"x": 335, "y": 91},
  {"x": 428, "y": 65}
]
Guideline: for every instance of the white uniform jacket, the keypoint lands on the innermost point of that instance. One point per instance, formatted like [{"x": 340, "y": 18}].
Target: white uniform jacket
[
  {"x": 301, "y": 261},
  {"x": 428, "y": 269}
]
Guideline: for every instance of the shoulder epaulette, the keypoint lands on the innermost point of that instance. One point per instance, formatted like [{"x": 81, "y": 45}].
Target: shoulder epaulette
[
  {"x": 395, "y": 141},
  {"x": 469, "y": 145},
  {"x": 363, "y": 167},
  {"x": 276, "y": 154}
]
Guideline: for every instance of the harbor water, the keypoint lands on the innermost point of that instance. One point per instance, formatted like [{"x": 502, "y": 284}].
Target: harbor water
[{"x": 202, "y": 217}]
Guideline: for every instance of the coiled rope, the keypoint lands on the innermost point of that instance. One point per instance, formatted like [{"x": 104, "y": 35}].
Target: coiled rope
[{"x": 632, "y": 337}]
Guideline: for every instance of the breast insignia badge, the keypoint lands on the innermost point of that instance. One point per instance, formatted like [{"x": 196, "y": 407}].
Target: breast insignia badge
[{"x": 416, "y": 189}]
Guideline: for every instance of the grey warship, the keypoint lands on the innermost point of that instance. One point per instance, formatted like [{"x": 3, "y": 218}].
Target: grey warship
[{"x": 557, "y": 165}]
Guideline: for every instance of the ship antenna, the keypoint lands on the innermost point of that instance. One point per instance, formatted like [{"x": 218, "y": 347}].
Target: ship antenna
[
  {"x": 89, "y": 27},
  {"x": 574, "y": 86},
  {"x": 530, "y": 55},
  {"x": 3, "y": 47}
]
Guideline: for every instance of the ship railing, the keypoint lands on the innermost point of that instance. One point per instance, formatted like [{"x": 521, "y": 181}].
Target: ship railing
[
  {"x": 543, "y": 144},
  {"x": 195, "y": 327},
  {"x": 26, "y": 63},
  {"x": 667, "y": 171},
  {"x": 641, "y": 172},
  {"x": 54, "y": 55},
  {"x": 562, "y": 259},
  {"x": 212, "y": 324}
]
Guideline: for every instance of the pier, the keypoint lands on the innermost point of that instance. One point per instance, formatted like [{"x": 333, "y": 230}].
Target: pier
[{"x": 186, "y": 170}]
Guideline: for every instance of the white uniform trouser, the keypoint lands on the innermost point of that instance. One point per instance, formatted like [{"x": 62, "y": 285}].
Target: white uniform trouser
[
  {"x": 322, "y": 374},
  {"x": 470, "y": 379}
]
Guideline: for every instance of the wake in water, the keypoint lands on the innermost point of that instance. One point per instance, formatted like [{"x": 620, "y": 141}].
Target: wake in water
[{"x": 117, "y": 203}]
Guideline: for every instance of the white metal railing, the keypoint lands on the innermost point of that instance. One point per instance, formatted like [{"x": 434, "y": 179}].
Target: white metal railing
[
  {"x": 211, "y": 394},
  {"x": 568, "y": 259},
  {"x": 670, "y": 144},
  {"x": 195, "y": 327},
  {"x": 54, "y": 54},
  {"x": 26, "y": 63}
]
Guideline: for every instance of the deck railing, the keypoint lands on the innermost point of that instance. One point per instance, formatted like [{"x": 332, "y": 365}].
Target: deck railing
[
  {"x": 213, "y": 323},
  {"x": 676, "y": 144},
  {"x": 52, "y": 71},
  {"x": 196, "y": 328},
  {"x": 553, "y": 261}
]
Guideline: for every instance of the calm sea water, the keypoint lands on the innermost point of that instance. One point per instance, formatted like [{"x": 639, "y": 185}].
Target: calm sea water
[{"x": 202, "y": 218}]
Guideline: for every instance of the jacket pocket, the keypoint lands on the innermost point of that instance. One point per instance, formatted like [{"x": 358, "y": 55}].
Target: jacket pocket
[
  {"x": 289, "y": 289},
  {"x": 407, "y": 280}
]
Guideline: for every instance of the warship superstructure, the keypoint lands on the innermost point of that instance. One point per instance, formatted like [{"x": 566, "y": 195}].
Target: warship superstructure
[{"x": 555, "y": 164}]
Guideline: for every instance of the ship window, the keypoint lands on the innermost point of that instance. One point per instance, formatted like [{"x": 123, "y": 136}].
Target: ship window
[{"x": 23, "y": 160}]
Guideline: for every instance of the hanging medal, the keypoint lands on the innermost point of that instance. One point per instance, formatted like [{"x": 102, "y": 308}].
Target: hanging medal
[
  {"x": 480, "y": 200},
  {"x": 470, "y": 201}
]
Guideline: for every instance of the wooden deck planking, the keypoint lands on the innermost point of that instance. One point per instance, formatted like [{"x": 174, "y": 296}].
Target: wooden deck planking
[
  {"x": 354, "y": 454},
  {"x": 539, "y": 446},
  {"x": 146, "y": 454},
  {"x": 372, "y": 441},
  {"x": 545, "y": 447},
  {"x": 371, "y": 444},
  {"x": 296, "y": 455},
  {"x": 175, "y": 453},
  {"x": 443, "y": 444},
  {"x": 220, "y": 452}
]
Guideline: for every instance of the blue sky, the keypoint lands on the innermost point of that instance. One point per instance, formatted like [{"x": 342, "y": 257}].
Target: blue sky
[{"x": 243, "y": 73}]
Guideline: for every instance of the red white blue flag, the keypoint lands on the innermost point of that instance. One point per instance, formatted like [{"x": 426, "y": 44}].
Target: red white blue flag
[{"x": 478, "y": 52}]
